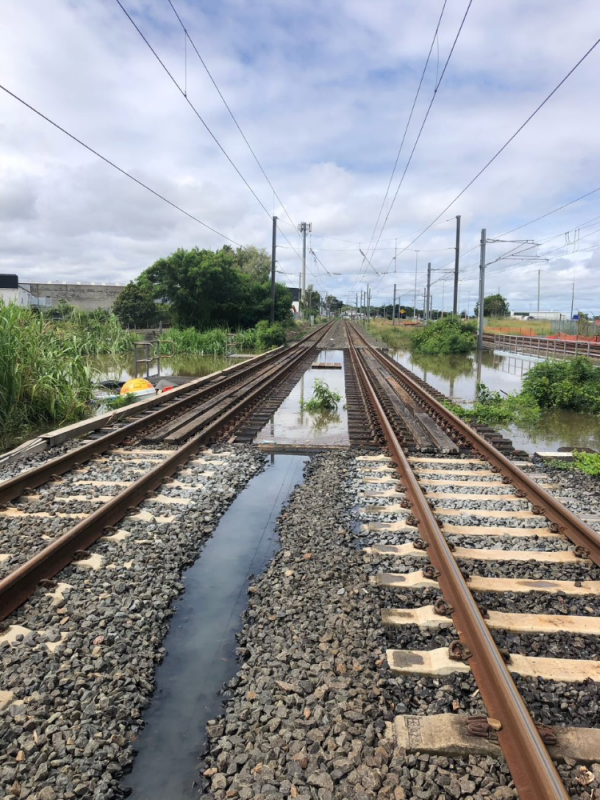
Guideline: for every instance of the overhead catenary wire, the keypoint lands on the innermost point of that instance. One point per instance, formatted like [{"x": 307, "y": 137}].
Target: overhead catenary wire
[
  {"x": 199, "y": 116},
  {"x": 508, "y": 141},
  {"x": 431, "y": 102},
  {"x": 410, "y": 116},
  {"x": 231, "y": 114},
  {"x": 118, "y": 168}
]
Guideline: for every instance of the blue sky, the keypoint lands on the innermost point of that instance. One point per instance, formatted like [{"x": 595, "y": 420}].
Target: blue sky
[{"x": 323, "y": 93}]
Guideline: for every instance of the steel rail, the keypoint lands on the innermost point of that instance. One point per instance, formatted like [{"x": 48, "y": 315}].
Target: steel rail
[
  {"x": 16, "y": 486},
  {"x": 531, "y": 767},
  {"x": 565, "y": 521},
  {"x": 20, "y": 584}
]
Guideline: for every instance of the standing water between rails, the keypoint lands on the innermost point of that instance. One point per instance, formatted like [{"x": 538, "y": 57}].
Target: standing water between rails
[
  {"x": 291, "y": 424},
  {"x": 201, "y": 641}
]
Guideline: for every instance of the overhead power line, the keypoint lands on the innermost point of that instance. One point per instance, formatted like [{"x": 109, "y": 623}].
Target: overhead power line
[
  {"x": 410, "y": 116},
  {"x": 434, "y": 95},
  {"x": 508, "y": 141},
  {"x": 231, "y": 114},
  {"x": 119, "y": 169},
  {"x": 197, "y": 113}
]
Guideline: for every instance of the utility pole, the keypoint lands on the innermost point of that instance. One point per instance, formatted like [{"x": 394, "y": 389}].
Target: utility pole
[
  {"x": 273, "y": 255},
  {"x": 428, "y": 290},
  {"x": 539, "y": 274},
  {"x": 416, "y": 266},
  {"x": 424, "y": 304},
  {"x": 572, "y": 300},
  {"x": 303, "y": 228},
  {"x": 368, "y": 305},
  {"x": 456, "y": 261},
  {"x": 481, "y": 287},
  {"x": 394, "y": 307}
]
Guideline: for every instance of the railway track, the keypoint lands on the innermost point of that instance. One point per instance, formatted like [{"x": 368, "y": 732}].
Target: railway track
[
  {"x": 80, "y": 495},
  {"x": 446, "y": 534}
]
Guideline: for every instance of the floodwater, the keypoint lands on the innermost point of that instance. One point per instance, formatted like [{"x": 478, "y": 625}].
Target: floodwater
[
  {"x": 291, "y": 425},
  {"x": 457, "y": 376},
  {"x": 121, "y": 367},
  {"x": 201, "y": 642}
]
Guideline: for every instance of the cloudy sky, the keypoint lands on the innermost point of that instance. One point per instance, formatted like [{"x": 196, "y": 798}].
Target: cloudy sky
[{"x": 323, "y": 93}]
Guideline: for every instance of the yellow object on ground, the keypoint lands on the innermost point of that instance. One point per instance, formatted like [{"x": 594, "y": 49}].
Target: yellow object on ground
[{"x": 136, "y": 385}]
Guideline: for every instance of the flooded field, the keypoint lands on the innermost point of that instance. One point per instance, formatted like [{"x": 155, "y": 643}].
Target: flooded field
[
  {"x": 121, "y": 367},
  {"x": 457, "y": 376}
]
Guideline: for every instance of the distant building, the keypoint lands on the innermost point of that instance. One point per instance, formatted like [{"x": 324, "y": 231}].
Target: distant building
[
  {"x": 550, "y": 315},
  {"x": 84, "y": 296}
]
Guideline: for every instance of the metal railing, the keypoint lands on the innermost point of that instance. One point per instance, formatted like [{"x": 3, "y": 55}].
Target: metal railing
[{"x": 541, "y": 347}]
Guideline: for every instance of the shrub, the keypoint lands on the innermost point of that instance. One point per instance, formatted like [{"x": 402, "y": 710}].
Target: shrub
[
  {"x": 572, "y": 384},
  {"x": 269, "y": 336},
  {"x": 323, "y": 399},
  {"x": 447, "y": 335}
]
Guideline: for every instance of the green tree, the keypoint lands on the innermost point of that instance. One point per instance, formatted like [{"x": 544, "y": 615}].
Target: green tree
[
  {"x": 255, "y": 263},
  {"x": 135, "y": 305},
  {"x": 494, "y": 305},
  {"x": 208, "y": 289},
  {"x": 311, "y": 302}
]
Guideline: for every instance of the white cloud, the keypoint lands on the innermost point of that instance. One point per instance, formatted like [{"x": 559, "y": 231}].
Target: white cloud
[{"x": 323, "y": 92}]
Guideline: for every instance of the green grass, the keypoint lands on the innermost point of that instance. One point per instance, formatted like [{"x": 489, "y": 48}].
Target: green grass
[
  {"x": 396, "y": 336},
  {"x": 44, "y": 378},
  {"x": 588, "y": 463}
]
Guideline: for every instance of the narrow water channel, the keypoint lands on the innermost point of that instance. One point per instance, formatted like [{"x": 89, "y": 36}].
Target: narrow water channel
[{"x": 201, "y": 641}]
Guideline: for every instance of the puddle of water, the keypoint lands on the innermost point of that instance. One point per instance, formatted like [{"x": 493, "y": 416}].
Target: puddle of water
[
  {"x": 201, "y": 641},
  {"x": 291, "y": 424},
  {"x": 456, "y": 376}
]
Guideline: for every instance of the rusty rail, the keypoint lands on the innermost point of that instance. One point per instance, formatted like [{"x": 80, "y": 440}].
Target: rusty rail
[
  {"x": 20, "y": 584},
  {"x": 14, "y": 487},
  {"x": 528, "y": 759},
  {"x": 563, "y": 520}
]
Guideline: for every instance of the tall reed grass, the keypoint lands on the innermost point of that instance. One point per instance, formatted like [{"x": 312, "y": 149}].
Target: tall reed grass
[
  {"x": 43, "y": 375},
  {"x": 208, "y": 343}
]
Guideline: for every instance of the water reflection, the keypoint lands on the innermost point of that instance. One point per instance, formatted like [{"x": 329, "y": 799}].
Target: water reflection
[
  {"x": 457, "y": 376},
  {"x": 121, "y": 367}
]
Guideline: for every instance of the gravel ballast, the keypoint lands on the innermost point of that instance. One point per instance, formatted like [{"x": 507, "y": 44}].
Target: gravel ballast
[{"x": 83, "y": 675}]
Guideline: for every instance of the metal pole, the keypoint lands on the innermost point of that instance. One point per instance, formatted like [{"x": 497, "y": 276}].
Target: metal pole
[
  {"x": 538, "y": 305},
  {"x": 416, "y": 266},
  {"x": 394, "y": 307},
  {"x": 424, "y": 304},
  {"x": 368, "y": 304},
  {"x": 572, "y": 300},
  {"x": 428, "y": 291},
  {"x": 481, "y": 287},
  {"x": 273, "y": 254},
  {"x": 456, "y": 261},
  {"x": 303, "y": 228}
]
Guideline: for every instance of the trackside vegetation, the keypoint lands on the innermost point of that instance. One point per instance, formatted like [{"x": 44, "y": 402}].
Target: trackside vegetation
[
  {"x": 446, "y": 336},
  {"x": 569, "y": 385}
]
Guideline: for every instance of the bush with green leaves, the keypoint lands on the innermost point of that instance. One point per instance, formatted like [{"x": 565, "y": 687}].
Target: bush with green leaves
[
  {"x": 572, "y": 384},
  {"x": 493, "y": 408},
  {"x": 447, "y": 335},
  {"x": 323, "y": 398},
  {"x": 269, "y": 336}
]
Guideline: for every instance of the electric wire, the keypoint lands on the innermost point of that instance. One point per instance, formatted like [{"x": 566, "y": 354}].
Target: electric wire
[
  {"x": 231, "y": 114},
  {"x": 119, "y": 169}
]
